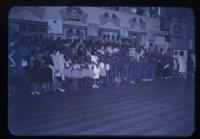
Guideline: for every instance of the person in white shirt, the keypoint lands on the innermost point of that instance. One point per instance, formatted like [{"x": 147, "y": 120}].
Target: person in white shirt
[
  {"x": 175, "y": 67},
  {"x": 58, "y": 70},
  {"x": 102, "y": 72},
  {"x": 182, "y": 65},
  {"x": 109, "y": 50},
  {"x": 96, "y": 71},
  {"x": 94, "y": 58}
]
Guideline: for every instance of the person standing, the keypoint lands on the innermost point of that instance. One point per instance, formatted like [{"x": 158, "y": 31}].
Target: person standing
[
  {"x": 182, "y": 65},
  {"x": 12, "y": 71},
  {"x": 35, "y": 75},
  {"x": 58, "y": 71},
  {"x": 47, "y": 72},
  {"x": 102, "y": 72},
  {"x": 96, "y": 71},
  {"x": 189, "y": 65},
  {"x": 108, "y": 74}
]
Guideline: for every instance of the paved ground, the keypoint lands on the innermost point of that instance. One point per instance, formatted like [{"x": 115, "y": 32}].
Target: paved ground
[{"x": 163, "y": 108}]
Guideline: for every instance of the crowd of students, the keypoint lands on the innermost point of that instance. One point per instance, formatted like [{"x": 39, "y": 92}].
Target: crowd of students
[{"x": 65, "y": 64}]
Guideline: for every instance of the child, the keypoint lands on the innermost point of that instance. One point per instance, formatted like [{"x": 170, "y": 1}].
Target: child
[
  {"x": 117, "y": 80},
  {"x": 90, "y": 72},
  {"x": 175, "y": 68},
  {"x": 82, "y": 75},
  {"x": 132, "y": 71},
  {"x": 102, "y": 72},
  {"x": 75, "y": 75},
  {"x": 96, "y": 71},
  {"x": 68, "y": 74},
  {"x": 182, "y": 65},
  {"x": 108, "y": 76}
]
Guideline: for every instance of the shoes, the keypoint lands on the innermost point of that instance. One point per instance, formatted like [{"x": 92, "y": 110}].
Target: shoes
[
  {"x": 95, "y": 86},
  {"x": 35, "y": 92},
  {"x": 61, "y": 90},
  {"x": 132, "y": 82}
]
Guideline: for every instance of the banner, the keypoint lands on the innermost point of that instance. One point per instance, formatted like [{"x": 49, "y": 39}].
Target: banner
[{"x": 55, "y": 26}]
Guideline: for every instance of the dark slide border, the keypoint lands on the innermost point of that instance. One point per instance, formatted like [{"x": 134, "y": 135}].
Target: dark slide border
[{"x": 7, "y": 4}]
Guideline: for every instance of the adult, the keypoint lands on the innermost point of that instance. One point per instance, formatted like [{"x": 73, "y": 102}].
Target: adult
[
  {"x": 12, "y": 71},
  {"x": 182, "y": 65},
  {"x": 58, "y": 71}
]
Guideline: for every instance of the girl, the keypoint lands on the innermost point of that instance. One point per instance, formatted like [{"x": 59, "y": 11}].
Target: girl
[
  {"x": 108, "y": 76},
  {"x": 102, "y": 72},
  {"x": 81, "y": 74},
  {"x": 87, "y": 74},
  {"x": 75, "y": 74},
  {"x": 182, "y": 65},
  {"x": 117, "y": 80},
  {"x": 68, "y": 74},
  {"x": 96, "y": 71}
]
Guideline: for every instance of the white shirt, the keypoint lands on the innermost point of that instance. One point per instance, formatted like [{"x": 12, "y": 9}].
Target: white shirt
[
  {"x": 109, "y": 50},
  {"x": 101, "y": 65},
  {"x": 67, "y": 64},
  {"x": 94, "y": 59},
  {"x": 96, "y": 70},
  {"x": 115, "y": 50},
  {"x": 76, "y": 66}
]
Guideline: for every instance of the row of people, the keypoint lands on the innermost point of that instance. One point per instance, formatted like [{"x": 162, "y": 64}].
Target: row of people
[{"x": 81, "y": 64}]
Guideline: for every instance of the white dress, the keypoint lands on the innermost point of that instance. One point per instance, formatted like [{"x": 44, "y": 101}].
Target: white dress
[
  {"x": 102, "y": 69},
  {"x": 96, "y": 72},
  {"x": 182, "y": 65},
  {"x": 75, "y": 71}
]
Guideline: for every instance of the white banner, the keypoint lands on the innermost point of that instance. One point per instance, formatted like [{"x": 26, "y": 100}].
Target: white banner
[{"x": 55, "y": 26}]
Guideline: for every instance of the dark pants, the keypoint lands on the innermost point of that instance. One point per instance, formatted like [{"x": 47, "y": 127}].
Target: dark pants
[{"x": 108, "y": 78}]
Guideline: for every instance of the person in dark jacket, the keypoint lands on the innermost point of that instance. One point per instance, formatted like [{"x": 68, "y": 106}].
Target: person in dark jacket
[
  {"x": 35, "y": 75},
  {"x": 46, "y": 72}
]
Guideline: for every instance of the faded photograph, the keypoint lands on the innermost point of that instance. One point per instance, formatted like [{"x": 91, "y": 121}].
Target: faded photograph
[{"x": 101, "y": 71}]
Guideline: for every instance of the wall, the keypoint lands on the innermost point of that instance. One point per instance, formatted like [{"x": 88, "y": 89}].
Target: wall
[
  {"x": 152, "y": 24},
  {"x": 179, "y": 43},
  {"x": 93, "y": 13}
]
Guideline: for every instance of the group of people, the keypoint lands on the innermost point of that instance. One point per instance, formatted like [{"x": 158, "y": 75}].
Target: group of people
[{"x": 62, "y": 65}]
